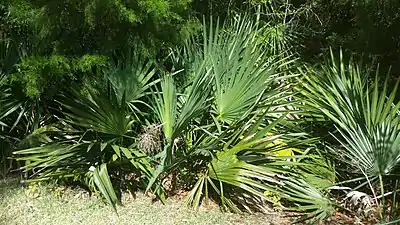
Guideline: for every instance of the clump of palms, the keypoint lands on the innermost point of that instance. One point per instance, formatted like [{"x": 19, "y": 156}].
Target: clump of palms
[
  {"x": 226, "y": 131},
  {"x": 95, "y": 132},
  {"x": 367, "y": 121},
  {"x": 229, "y": 127}
]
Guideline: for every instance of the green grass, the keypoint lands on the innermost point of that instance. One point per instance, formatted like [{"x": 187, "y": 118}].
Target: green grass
[{"x": 56, "y": 205}]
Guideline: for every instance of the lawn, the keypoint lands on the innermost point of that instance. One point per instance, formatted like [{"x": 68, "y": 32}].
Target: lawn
[{"x": 44, "y": 204}]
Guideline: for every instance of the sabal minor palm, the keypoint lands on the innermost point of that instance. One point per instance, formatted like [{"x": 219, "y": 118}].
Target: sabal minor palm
[
  {"x": 366, "y": 117},
  {"x": 94, "y": 133},
  {"x": 232, "y": 81},
  {"x": 229, "y": 73}
]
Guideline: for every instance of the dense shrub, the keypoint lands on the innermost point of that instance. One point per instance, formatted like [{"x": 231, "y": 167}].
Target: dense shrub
[{"x": 250, "y": 110}]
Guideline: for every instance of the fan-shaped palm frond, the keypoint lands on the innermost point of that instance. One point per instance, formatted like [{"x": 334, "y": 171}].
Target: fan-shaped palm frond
[
  {"x": 86, "y": 142},
  {"x": 103, "y": 113},
  {"x": 249, "y": 163},
  {"x": 315, "y": 205},
  {"x": 8, "y": 104},
  {"x": 226, "y": 168},
  {"x": 367, "y": 118},
  {"x": 19, "y": 116},
  {"x": 368, "y": 121},
  {"x": 133, "y": 78},
  {"x": 238, "y": 62},
  {"x": 175, "y": 122}
]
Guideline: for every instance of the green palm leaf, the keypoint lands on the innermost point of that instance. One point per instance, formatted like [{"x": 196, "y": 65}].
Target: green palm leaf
[
  {"x": 368, "y": 122},
  {"x": 367, "y": 119},
  {"x": 101, "y": 113},
  {"x": 166, "y": 106},
  {"x": 315, "y": 205},
  {"x": 86, "y": 142},
  {"x": 238, "y": 62},
  {"x": 134, "y": 78},
  {"x": 103, "y": 183},
  {"x": 247, "y": 162}
]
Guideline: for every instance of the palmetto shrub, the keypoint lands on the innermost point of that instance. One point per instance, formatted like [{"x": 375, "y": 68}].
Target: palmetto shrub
[
  {"x": 228, "y": 119},
  {"x": 95, "y": 134},
  {"x": 366, "y": 118},
  {"x": 225, "y": 132}
]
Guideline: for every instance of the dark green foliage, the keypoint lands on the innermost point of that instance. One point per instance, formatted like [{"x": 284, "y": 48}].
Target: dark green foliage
[
  {"x": 366, "y": 119},
  {"x": 98, "y": 26},
  {"x": 123, "y": 94},
  {"x": 95, "y": 133},
  {"x": 60, "y": 42},
  {"x": 369, "y": 28},
  {"x": 39, "y": 75}
]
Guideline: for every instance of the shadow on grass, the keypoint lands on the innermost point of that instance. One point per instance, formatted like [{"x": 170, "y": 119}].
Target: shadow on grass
[{"x": 9, "y": 184}]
